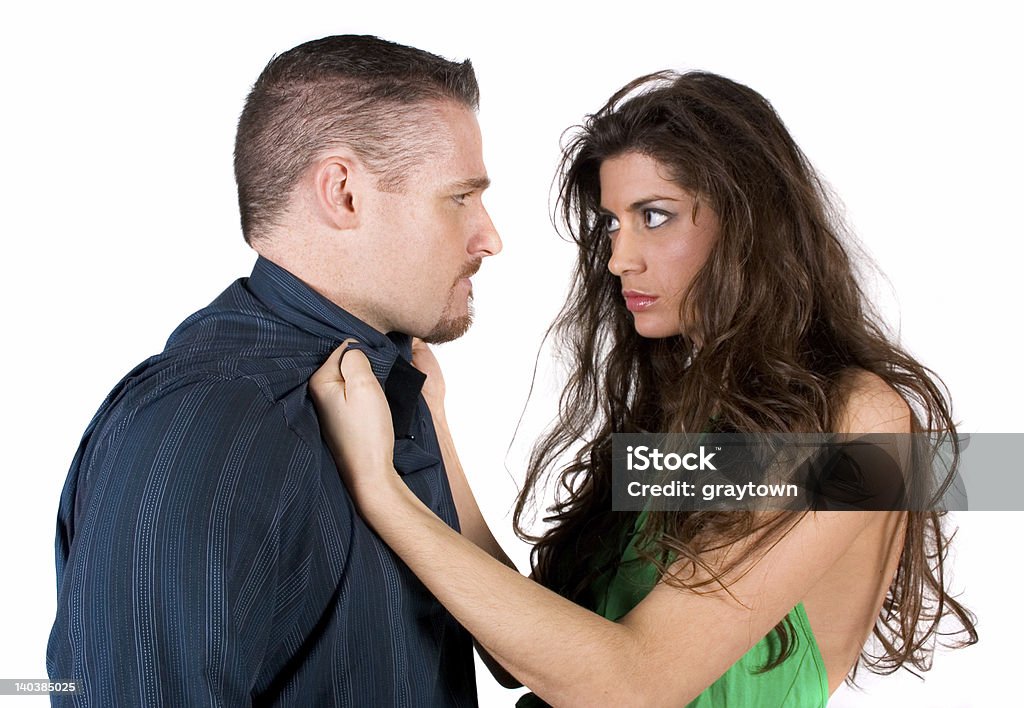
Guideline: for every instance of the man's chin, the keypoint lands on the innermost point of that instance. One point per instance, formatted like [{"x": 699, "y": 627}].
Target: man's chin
[{"x": 448, "y": 328}]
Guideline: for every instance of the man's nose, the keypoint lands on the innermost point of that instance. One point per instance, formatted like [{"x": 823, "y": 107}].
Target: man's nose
[{"x": 486, "y": 241}]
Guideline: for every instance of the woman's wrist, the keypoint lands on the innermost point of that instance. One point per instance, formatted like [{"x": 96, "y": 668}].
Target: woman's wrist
[{"x": 385, "y": 496}]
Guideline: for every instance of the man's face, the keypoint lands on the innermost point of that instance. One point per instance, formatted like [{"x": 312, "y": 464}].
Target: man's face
[{"x": 435, "y": 233}]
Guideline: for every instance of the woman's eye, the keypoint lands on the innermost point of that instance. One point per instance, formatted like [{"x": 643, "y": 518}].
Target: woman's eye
[
  {"x": 611, "y": 224},
  {"x": 653, "y": 219}
]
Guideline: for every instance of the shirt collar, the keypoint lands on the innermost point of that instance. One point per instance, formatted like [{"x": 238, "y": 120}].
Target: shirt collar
[{"x": 389, "y": 354}]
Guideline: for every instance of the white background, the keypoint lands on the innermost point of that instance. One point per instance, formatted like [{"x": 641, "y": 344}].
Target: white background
[{"x": 119, "y": 219}]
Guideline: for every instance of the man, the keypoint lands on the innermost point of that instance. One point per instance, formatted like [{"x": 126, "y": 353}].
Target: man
[{"x": 207, "y": 552}]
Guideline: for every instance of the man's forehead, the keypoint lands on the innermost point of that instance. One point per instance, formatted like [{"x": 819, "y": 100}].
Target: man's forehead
[{"x": 455, "y": 148}]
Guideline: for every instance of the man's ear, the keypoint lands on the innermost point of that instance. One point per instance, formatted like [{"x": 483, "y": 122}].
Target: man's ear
[{"x": 336, "y": 183}]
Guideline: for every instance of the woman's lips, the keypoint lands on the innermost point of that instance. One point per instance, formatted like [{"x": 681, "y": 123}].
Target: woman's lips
[{"x": 638, "y": 302}]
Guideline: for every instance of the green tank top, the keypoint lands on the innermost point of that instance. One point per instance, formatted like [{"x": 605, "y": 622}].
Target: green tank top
[{"x": 798, "y": 682}]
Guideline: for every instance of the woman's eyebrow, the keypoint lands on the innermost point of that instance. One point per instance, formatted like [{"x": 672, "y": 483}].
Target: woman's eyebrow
[{"x": 641, "y": 203}]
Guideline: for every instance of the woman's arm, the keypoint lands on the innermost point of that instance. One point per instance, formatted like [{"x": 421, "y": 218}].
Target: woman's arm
[
  {"x": 474, "y": 526},
  {"x": 665, "y": 652},
  {"x": 471, "y": 521}
]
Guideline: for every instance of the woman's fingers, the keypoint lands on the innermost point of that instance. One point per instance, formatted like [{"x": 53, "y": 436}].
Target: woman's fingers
[
  {"x": 433, "y": 389},
  {"x": 347, "y": 380},
  {"x": 423, "y": 359},
  {"x": 328, "y": 377},
  {"x": 354, "y": 415},
  {"x": 356, "y": 374},
  {"x": 345, "y": 370}
]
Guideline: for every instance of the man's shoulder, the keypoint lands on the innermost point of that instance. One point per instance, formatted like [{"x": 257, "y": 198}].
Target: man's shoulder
[
  {"x": 203, "y": 447},
  {"x": 230, "y": 385},
  {"x": 214, "y": 401},
  {"x": 232, "y": 350},
  {"x": 237, "y": 327}
]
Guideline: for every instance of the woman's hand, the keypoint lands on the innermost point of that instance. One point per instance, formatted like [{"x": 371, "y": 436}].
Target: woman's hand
[
  {"x": 355, "y": 420},
  {"x": 433, "y": 388}
]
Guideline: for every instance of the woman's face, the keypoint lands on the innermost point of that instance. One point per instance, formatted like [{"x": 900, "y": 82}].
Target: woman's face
[{"x": 657, "y": 246}]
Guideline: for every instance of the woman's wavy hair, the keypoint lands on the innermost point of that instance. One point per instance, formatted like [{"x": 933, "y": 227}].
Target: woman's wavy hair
[{"x": 781, "y": 320}]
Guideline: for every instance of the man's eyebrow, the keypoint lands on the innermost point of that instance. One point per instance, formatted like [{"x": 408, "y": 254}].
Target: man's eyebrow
[{"x": 472, "y": 184}]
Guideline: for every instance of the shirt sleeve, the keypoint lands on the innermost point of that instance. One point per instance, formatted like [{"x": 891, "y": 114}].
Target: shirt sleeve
[{"x": 169, "y": 596}]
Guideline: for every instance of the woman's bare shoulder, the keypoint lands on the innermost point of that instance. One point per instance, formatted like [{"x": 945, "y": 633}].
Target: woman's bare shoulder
[{"x": 871, "y": 405}]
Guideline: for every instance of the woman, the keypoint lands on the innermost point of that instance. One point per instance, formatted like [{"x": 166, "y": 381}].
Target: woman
[{"x": 712, "y": 293}]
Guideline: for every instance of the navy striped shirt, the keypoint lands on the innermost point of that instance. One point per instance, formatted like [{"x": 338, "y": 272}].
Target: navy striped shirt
[{"x": 208, "y": 553}]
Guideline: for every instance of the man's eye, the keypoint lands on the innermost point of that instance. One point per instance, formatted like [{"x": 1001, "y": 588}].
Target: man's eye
[
  {"x": 610, "y": 224},
  {"x": 654, "y": 218},
  {"x": 461, "y": 198}
]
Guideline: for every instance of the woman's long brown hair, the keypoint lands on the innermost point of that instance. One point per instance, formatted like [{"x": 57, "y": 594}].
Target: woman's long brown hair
[{"x": 782, "y": 321}]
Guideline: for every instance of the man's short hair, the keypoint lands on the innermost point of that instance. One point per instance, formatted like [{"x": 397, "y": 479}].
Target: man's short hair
[{"x": 359, "y": 91}]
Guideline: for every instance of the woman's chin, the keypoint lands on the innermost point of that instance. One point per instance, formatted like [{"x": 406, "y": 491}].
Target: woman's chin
[{"x": 652, "y": 328}]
